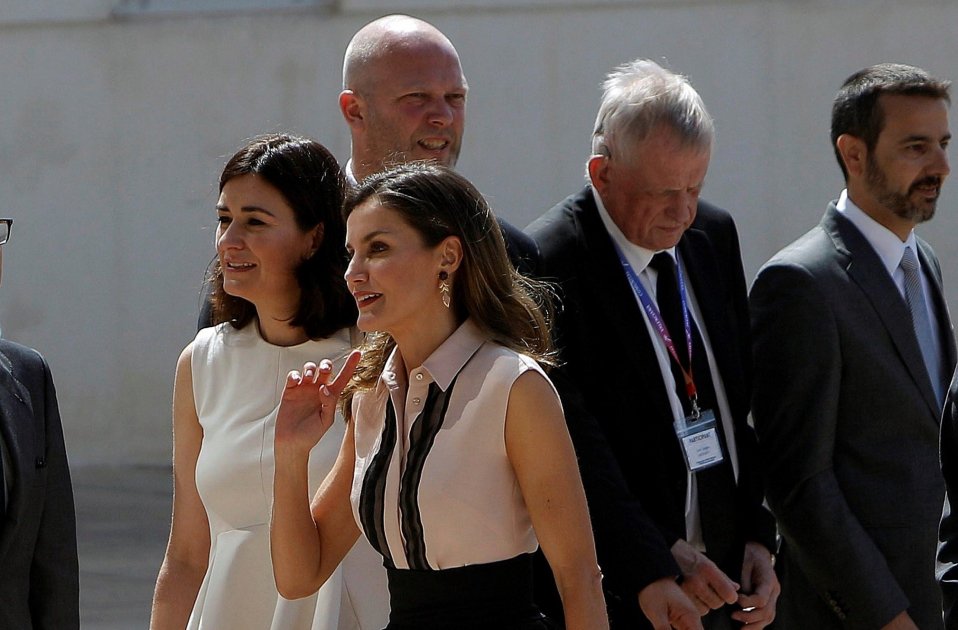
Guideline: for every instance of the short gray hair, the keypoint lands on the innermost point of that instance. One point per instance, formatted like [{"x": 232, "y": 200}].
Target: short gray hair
[{"x": 640, "y": 95}]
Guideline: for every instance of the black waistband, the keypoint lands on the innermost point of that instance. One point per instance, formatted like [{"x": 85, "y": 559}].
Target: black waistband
[{"x": 492, "y": 595}]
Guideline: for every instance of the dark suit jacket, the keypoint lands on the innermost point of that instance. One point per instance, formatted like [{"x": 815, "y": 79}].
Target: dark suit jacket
[
  {"x": 615, "y": 399},
  {"x": 947, "y": 569},
  {"x": 848, "y": 424},
  {"x": 38, "y": 549}
]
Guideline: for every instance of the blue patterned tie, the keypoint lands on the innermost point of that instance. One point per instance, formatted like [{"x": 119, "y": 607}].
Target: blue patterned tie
[{"x": 915, "y": 296}]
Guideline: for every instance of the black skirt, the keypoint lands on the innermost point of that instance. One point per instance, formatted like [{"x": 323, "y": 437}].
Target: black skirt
[{"x": 490, "y": 596}]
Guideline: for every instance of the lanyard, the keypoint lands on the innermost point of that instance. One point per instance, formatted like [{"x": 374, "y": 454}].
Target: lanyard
[{"x": 656, "y": 318}]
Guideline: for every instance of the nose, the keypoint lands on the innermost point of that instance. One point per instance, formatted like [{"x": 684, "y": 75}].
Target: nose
[
  {"x": 686, "y": 202},
  {"x": 440, "y": 114},
  {"x": 228, "y": 237},
  {"x": 354, "y": 271},
  {"x": 940, "y": 166}
]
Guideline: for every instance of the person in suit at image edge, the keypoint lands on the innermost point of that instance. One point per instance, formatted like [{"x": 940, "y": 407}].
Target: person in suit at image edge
[
  {"x": 853, "y": 346},
  {"x": 39, "y": 573}
]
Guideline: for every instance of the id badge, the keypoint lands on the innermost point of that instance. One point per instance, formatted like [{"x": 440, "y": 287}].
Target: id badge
[{"x": 700, "y": 441}]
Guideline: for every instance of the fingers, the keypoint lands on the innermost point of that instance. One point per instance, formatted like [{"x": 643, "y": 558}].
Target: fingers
[
  {"x": 349, "y": 368},
  {"x": 747, "y": 569},
  {"x": 313, "y": 374},
  {"x": 758, "y": 599},
  {"x": 686, "y": 620},
  {"x": 659, "y": 619},
  {"x": 758, "y": 608},
  {"x": 756, "y": 618},
  {"x": 666, "y": 606},
  {"x": 709, "y": 588}
]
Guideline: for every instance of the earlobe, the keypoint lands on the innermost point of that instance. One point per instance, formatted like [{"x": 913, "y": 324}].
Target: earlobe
[{"x": 854, "y": 153}]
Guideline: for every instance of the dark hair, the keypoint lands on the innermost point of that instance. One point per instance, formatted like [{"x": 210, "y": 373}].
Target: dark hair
[
  {"x": 857, "y": 110},
  {"x": 309, "y": 178},
  {"x": 438, "y": 202}
]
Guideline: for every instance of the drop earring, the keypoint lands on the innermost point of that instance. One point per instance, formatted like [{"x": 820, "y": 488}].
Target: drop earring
[{"x": 444, "y": 288}]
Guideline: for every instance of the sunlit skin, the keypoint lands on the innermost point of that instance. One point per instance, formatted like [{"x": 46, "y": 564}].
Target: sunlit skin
[
  {"x": 394, "y": 277},
  {"x": 407, "y": 101},
  {"x": 259, "y": 246},
  {"x": 898, "y": 183},
  {"x": 653, "y": 196}
]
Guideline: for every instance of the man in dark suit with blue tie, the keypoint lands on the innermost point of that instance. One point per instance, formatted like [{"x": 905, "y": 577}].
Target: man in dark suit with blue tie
[
  {"x": 654, "y": 339},
  {"x": 853, "y": 348},
  {"x": 39, "y": 584}
]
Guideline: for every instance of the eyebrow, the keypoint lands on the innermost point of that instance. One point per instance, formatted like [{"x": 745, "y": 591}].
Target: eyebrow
[
  {"x": 224, "y": 208},
  {"x": 371, "y": 236}
]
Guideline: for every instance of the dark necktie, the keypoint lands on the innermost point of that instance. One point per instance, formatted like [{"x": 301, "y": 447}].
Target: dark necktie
[{"x": 718, "y": 509}]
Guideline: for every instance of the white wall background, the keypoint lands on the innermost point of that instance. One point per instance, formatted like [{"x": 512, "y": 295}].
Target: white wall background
[{"x": 113, "y": 131}]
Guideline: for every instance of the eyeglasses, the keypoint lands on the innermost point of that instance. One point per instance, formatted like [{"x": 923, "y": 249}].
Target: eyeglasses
[{"x": 5, "y": 227}]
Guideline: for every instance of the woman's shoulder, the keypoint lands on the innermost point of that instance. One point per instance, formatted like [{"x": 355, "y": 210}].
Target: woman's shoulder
[{"x": 504, "y": 361}]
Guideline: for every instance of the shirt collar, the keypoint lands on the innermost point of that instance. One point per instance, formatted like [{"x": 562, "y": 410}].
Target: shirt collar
[
  {"x": 639, "y": 257},
  {"x": 444, "y": 363},
  {"x": 886, "y": 243},
  {"x": 351, "y": 181}
]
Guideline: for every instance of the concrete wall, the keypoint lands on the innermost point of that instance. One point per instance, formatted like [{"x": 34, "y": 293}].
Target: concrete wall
[{"x": 114, "y": 130}]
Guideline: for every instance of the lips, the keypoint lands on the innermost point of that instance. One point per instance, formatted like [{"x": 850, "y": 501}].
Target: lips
[
  {"x": 433, "y": 144},
  {"x": 928, "y": 186},
  {"x": 238, "y": 266},
  {"x": 366, "y": 298}
]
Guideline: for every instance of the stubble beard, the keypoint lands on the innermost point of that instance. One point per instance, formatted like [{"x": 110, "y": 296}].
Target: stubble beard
[{"x": 900, "y": 204}]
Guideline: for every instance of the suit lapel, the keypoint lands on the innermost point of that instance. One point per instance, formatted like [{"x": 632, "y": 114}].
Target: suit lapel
[
  {"x": 866, "y": 269},
  {"x": 706, "y": 281},
  {"x": 946, "y": 330},
  {"x": 17, "y": 429},
  {"x": 610, "y": 295}
]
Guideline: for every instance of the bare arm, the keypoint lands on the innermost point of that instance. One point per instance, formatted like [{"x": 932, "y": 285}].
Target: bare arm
[
  {"x": 187, "y": 552},
  {"x": 553, "y": 493},
  {"x": 307, "y": 543}
]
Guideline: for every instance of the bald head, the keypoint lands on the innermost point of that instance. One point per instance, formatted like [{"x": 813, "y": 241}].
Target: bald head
[
  {"x": 404, "y": 94},
  {"x": 374, "y": 44}
]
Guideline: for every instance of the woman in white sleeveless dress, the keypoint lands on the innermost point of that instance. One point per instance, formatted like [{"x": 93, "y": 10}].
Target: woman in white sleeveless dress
[{"x": 278, "y": 299}]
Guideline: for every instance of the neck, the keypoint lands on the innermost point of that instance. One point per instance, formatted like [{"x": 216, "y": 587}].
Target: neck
[
  {"x": 363, "y": 167},
  {"x": 883, "y": 216},
  {"x": 416, "y": 344},
  {"x": 274, "y": 326}
]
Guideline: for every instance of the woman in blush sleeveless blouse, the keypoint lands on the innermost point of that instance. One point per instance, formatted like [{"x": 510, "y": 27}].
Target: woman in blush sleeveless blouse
[
  {"x": 456, "y": 462},
  {"x": 278, "y": 298}
]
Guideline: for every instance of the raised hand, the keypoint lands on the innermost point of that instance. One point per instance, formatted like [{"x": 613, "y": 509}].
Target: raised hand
[{"x": 308, "y": 406}]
